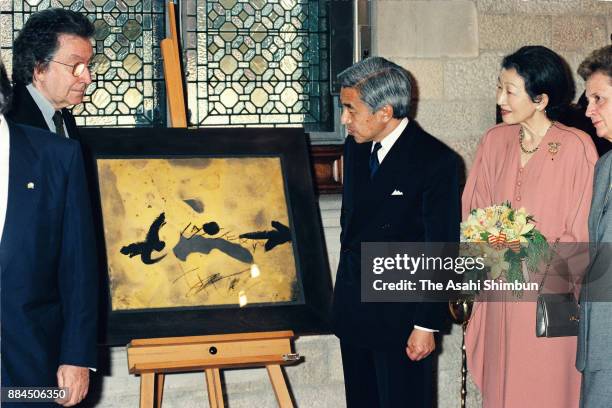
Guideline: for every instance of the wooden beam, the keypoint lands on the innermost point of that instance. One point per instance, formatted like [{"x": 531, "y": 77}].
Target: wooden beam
[{"x": 173, "y": 74}]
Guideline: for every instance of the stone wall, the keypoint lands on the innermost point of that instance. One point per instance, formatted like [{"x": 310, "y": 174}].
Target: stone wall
[{"x": 453, "y": 49}]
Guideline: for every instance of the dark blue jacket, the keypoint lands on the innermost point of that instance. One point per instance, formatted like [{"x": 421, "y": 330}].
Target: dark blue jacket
[
  {"x": 47, "y": 261},
  {"x": 427, "y": 173}
]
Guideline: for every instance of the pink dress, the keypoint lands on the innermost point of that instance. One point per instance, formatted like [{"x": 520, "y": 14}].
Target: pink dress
[{"x": 511, "y": 366}]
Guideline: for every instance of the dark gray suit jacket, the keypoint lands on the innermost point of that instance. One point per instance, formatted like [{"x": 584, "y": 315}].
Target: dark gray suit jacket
[{"x": 594, "y": 351}]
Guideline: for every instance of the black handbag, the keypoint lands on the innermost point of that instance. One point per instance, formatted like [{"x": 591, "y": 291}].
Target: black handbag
[{"x": 557, "y": 314}]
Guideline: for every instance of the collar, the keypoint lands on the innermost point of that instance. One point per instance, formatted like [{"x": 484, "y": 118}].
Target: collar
[
  {"x": 389, "y": 140},
  {"x": 43, "y": 104},
  {"x": 4, "y": 136}
]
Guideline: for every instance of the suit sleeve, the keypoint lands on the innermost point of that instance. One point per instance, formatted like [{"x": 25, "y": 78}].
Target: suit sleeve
[
  {"x": 77, "y": 271},
  {"x": 579, "y": 192},
  {"x": 441, "y": 211},
  {"x": 441, "y": 202},
  {"x": 346, "y": 178}
]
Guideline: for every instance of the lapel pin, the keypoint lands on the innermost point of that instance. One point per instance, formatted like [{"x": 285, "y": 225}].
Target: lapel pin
[{"x": 30, "y": 186}]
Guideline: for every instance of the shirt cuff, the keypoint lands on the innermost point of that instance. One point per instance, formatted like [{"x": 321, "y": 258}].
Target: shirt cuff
[{"x": 426, "y": 329}]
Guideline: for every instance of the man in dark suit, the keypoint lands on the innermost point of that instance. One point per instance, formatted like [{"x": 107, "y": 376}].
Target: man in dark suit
[
  {"x": 47, "y": 261},
  {"x": 51, "y": 69},
  {"x": 400, "y": 185}
]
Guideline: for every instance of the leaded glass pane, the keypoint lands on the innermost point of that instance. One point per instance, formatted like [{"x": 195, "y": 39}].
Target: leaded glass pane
[
  {"x": 6, "y": 33},
  {"x": 256, "y": 62},
  {"x": 128, "y": 89}
]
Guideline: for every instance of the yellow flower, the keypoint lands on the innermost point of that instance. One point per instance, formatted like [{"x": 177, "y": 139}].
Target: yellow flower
[
  {"x": 505, "y": 220},
  {"x": 471, "y": 228},
  {"x": 469, "y": 231}
]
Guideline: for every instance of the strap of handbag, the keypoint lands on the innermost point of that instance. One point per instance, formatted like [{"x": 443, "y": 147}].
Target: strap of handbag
[{"x": 541, "y": 286}]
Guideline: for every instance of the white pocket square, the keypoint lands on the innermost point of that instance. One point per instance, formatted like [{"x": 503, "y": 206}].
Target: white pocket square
[{"x": 397, "y": 193}]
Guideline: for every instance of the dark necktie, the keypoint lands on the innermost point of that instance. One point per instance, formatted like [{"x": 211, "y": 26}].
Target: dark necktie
[
  {"x": 374, "y": 163},
  {"x": 59, "y": 123}
]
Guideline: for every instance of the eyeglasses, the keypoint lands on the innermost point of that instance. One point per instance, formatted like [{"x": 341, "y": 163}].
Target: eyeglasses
[{"x": 79, "y": 67}]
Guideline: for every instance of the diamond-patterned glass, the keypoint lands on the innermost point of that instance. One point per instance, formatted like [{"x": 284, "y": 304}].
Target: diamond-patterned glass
[
  {"x": 128, "y": 89},
  {"x": 256, "y": 62}
]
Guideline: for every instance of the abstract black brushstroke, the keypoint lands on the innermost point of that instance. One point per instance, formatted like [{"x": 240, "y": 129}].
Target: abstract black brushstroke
[
  {"x": 278, "y": 236},
  {"x": 195, "y": 204},
  {"x": 211, "y": 228},
  {"x": 150, "y": 244},
  {"x": 203, "y": 245},
  {"x": 204, "y": 284}
]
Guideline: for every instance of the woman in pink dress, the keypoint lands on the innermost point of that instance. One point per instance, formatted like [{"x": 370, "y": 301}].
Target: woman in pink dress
[{"x": 533, "y": 162}]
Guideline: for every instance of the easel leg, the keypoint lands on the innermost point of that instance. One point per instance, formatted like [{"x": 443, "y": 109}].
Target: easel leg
[
  {"x": 159, "y": 389},
  {"x": 280, "y": 386},
  {"x": 213, "y": 383},
  {"x": 147, "y": 390}
]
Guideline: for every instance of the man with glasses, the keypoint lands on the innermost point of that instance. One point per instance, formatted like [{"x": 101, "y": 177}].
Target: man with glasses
[
  {"x": 57, "y": 311},
  {"x": 47, "y": 264},
  {"x": 52, "y": 67}
]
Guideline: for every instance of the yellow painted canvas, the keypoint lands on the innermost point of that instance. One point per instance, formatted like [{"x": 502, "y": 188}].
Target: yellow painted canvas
[{"x": 193, "y": 232}]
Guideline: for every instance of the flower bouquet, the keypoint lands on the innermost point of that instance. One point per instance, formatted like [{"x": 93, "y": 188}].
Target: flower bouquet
[{"x": 513, "y": 242}]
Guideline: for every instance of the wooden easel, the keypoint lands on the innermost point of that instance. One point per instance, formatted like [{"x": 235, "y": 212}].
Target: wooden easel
[
  {"x": 173, "y": 74},
  {"x": 152, "y": 358}
]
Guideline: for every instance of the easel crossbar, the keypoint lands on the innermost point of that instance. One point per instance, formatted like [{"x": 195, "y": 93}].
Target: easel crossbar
[
  {"x": 153, "y": 358},
  {"x": 207, "y": 353},
  {"x": 200, "y": 365},
  {"x": 217, "y": 338}
]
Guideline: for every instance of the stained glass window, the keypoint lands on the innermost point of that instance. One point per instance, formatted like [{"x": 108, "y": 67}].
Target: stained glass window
[
  {"x": 257, "y": 62},
  {"x": 247, "y": 62},
  {"x": 128, "y": 89}
]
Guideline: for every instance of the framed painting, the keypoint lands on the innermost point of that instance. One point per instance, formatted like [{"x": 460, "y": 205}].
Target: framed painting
[{"x": 206, "y": 231}]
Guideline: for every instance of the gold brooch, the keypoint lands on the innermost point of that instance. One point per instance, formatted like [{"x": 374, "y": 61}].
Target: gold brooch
[{"x": 553, "y": 147}]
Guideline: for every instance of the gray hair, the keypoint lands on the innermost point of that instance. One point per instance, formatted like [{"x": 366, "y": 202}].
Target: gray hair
[
  {"x": 5, "y": 90},
  {"x": 380, "y": 82}
]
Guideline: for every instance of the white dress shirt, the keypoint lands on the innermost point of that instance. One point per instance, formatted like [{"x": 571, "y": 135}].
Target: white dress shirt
[
  {"x": 386, "y": 145},
  {"x": 4, "y": 171}
]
